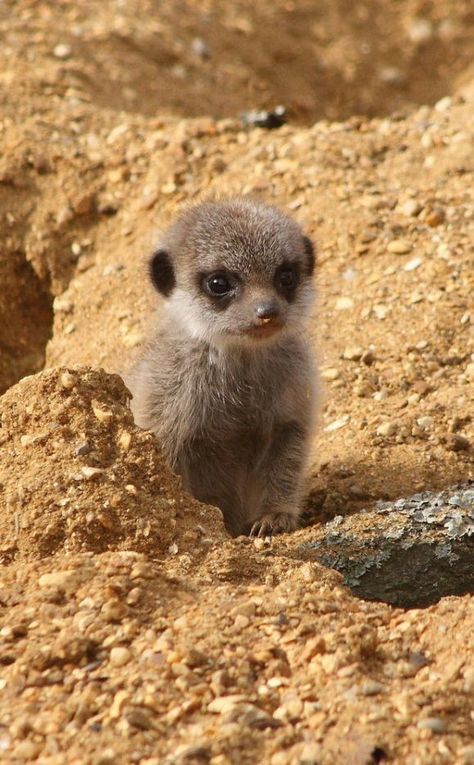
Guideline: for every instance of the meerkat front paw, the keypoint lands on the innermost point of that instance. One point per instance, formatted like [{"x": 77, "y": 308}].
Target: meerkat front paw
[{"x": 273, "y": 523}]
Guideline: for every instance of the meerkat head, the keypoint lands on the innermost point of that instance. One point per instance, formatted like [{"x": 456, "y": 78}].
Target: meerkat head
[{"x": 235, "y": 272}]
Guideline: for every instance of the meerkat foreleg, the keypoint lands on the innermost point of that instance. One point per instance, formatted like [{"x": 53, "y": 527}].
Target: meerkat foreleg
[{"x": 281, "y": 504}]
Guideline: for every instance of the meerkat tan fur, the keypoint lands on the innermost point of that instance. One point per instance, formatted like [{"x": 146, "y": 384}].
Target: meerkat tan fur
[{"x": 227, "y": 380}]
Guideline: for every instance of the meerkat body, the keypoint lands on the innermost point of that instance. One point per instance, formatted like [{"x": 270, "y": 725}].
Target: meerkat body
[{"x": 227, "y": 381}]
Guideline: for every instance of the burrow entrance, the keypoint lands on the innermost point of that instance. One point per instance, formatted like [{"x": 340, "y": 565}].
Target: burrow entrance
[{"x": 26, "y": 319}]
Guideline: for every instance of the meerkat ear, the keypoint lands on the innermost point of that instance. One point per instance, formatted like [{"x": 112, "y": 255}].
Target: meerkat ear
[
  {"x": 162, "y": 272},
  {"x": 310, "y": 254}
]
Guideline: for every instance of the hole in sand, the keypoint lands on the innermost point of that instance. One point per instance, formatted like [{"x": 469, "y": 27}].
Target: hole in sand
[{"x": 26, "y": 319}]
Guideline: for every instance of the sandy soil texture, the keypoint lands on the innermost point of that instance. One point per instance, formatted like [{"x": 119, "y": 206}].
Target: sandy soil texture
[{"x": 132, "y": 628}]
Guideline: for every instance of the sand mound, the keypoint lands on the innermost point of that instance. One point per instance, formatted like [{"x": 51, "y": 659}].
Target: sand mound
[{"x": 76, "y": 474}]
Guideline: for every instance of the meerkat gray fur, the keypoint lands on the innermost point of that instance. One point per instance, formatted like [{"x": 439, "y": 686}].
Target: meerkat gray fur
[{"x": 227, "y": 380}]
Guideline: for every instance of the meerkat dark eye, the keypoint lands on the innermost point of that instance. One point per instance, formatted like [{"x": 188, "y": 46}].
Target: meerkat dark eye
[
  {"x": 218, "y": 285},
  {"x": 287, "y": 278}
]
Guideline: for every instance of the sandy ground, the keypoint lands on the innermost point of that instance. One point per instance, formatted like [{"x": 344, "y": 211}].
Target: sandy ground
[{"x": 133, "y": 629}]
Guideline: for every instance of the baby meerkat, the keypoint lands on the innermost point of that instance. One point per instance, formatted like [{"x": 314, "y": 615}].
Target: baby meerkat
[{"x": 227, "y": 381}]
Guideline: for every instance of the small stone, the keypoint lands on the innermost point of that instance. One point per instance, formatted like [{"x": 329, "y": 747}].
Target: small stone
[
  {"x": 434, "y": 724},
  {"x": 392, "y": 75},
  {"x": 425, "y": 422},
  {"x": 91, "y": 472},
  {"x": 62, "y": 305},
  {"x": 435, "y": 217},
  {"x": 411, "y": 208},
  {"x": 344, "y": 304},
  {"x": 103, "y": 415},
  {"x": 399, "y": 246},
  {"x": 106, "y": 757},
  {"x": 82, "y": 449},
  {"x": 67, "y": 380},
  {"x": 64, "y": 215},
  {"x": 119, "y": 656},
  {"x": 224, "y": 704},
  {"x": 413, "y": 264},
  {"x": 371, "y": 688},
  {"x": 368, "y": 357},
  {"x": 26, "y": 750},
  {"x": 241, "y": 623},
  {"x": 169, "y": 188},
  {"x": 62, "y": 51},
  {"x": 330, "y": 373},
  {"x": 57, "y": 578},
  {"x": 139, "y": 718},
  {"x": 444, "y": 104},
  {"x": 337, "y": 424},
  {"x": 107, "y": 205},
  {"x": 353, "y": 354},
  {"x": 84, "y": 204},
  {"x": 200, "y": 48},
  {"x": 125, "y": 439},
  {"x": 387, "y": 429},
  {"x": 381, "y": 311},
  {"x": 311, "y": 755},
  {"x": 290, "y": 710},
  {"x": 27, "y": 440},
  {"x": 420, "y": 30}
]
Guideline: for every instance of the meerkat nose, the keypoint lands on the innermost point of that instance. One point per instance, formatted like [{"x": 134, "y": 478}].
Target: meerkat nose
[{"x": 266, "y": 312}]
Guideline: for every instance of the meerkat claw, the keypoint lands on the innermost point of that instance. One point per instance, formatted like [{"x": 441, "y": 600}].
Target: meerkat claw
[{"x": 273, "y": 523}]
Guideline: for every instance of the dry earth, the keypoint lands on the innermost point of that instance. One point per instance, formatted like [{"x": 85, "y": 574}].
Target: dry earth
[{"x": 132, "y": 629}]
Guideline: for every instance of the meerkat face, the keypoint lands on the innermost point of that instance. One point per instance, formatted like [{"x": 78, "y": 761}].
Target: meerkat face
[{"x": 235, "y": 273}]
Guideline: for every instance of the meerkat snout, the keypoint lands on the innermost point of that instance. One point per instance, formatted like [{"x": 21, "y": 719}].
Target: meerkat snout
[{"x": 227, "y": 381}]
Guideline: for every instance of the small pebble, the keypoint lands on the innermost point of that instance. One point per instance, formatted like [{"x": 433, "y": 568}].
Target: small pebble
[
  {"x": 413, "y": 264},
  {"x": 119, "y": 656},
  {"x": 62, "y": 51},
  {"x": 425, "y": 422},
  {"x": 399, "y": 246},
  {"x": 435, "y": 724},
  {"x": 444, "y": 104},
  {"x": 91, "y": 472},
  {"x": 371, "y": 688},
  {"x": 387, "y": 429},
  {"x": 67, "y": 380},
  {"x": 344, "y": 304},
  {"x": 224, "y": 704},
  {"x": 337, "y": 424},
  {"x": 200, "y": 48},
  {"x": 411, "y": 208},
  {"x": 353, "y": 353},
  {"x": 330, "y": 373},
  {"x": 420, "y": 30}
]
